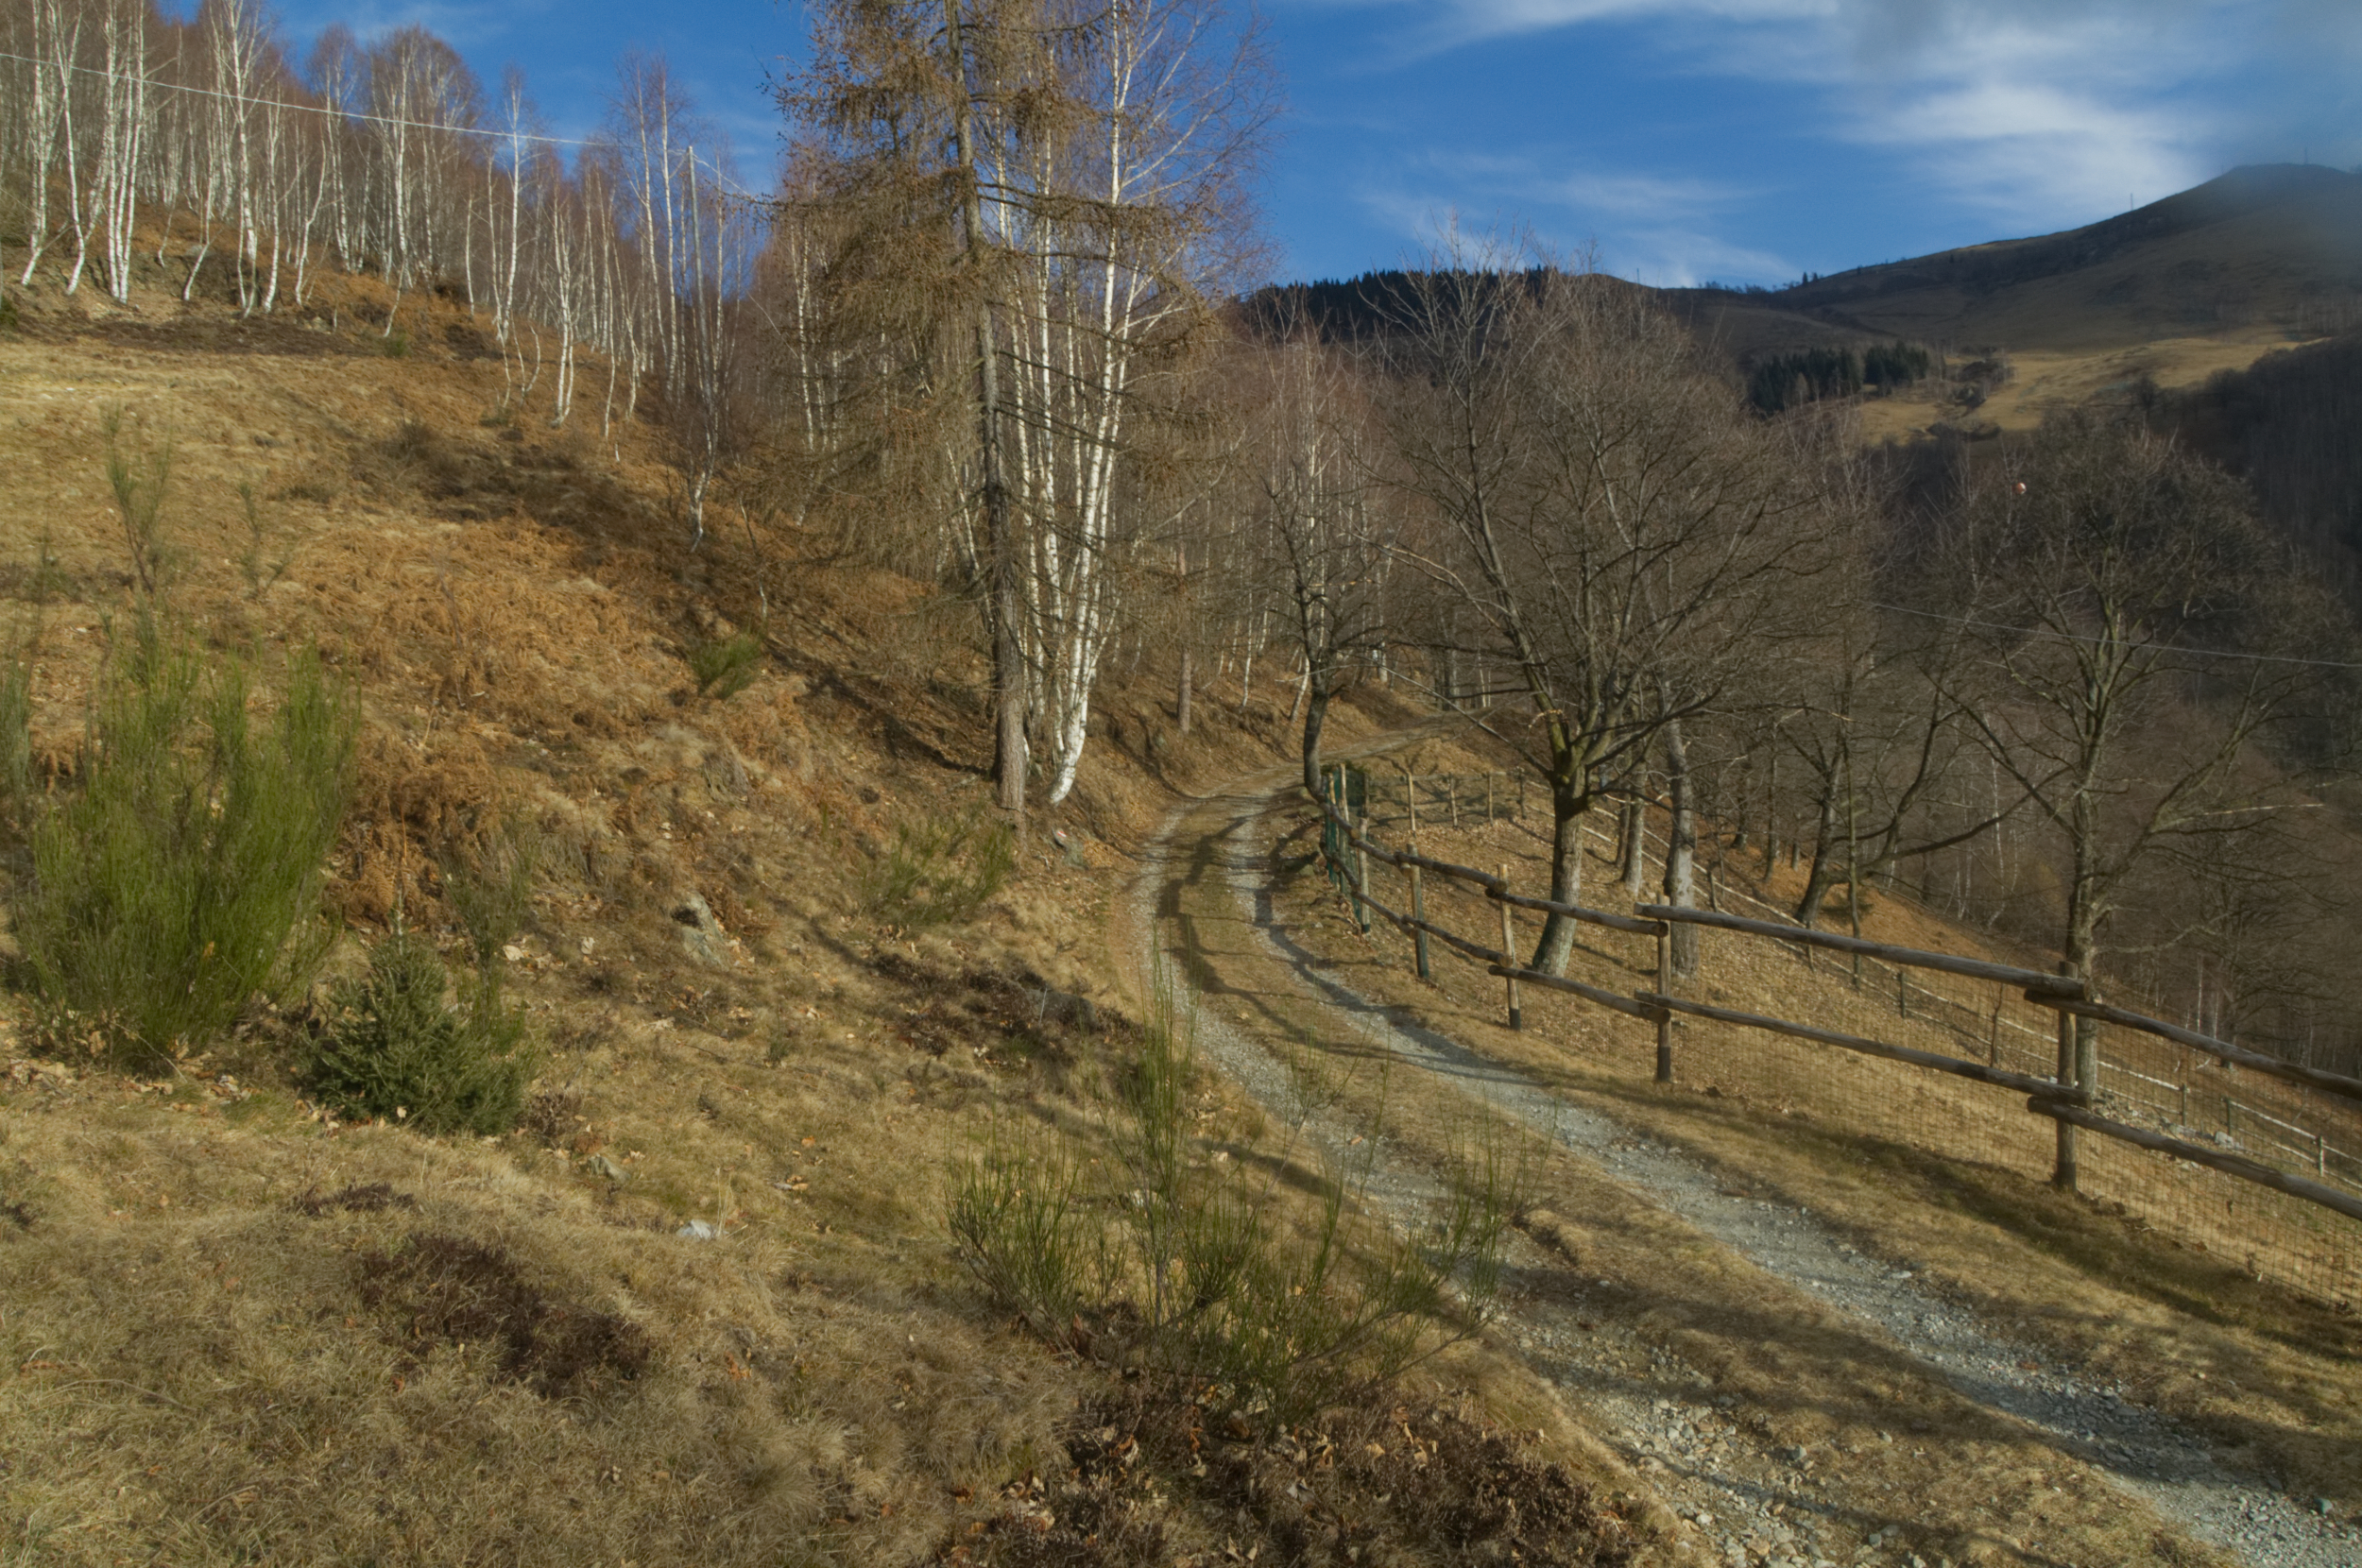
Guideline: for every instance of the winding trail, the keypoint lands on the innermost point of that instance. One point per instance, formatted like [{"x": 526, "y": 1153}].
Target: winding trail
[{"x": 1203, "y": 898}]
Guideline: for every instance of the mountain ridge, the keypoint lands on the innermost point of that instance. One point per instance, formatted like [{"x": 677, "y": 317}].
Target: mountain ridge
[
  {"x": 2272, "y": 252},
  {"x": 2263, "y": 246}
]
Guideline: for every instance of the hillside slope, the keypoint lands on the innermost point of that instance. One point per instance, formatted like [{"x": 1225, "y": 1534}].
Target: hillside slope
[
  {"x": 701, "y": 1306},
  {"x": 2206, "y": 280}
]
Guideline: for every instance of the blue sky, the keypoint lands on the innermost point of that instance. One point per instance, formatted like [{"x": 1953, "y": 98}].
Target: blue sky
[{"x": 1745, "y": 141}]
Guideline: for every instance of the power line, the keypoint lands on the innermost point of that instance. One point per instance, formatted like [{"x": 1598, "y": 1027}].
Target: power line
[{"x": 2097, "y": 641}]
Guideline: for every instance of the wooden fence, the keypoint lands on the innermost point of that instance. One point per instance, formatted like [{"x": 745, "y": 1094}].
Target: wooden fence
[{"x": 2069, "y": 1097}]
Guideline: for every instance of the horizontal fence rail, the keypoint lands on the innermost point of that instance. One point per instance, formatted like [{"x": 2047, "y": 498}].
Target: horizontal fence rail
[
  {"x": 2040, "y": 1088},
  {"x": 2311, "y": 1078},
  {"x": 2034, "y": 980},
  {"x": 2198, "y": 1153},
  {"x": 2051, "y": 1092}
]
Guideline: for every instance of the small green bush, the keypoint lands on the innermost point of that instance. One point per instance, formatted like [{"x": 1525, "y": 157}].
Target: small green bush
[
  {"x": 395, "y": 344},
  {"x": 17, "y": 800},
  {"x": 184, "y": 875},
  {"x": 138, "y": 476},
  {"x": 1216, "y": 1282},
  {"x": 726, "y": 665},
  {"x": 394, "y": 1045},
  {"x": 942, "y": 871},
  {"x": 490, "y": 888}
]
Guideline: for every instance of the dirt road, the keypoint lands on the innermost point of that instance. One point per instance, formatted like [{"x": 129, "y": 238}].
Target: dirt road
[{"x": 1794, "y": 1400}]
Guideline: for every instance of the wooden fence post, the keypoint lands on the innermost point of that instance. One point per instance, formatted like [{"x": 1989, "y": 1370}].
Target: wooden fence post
[
  {"x": 2063, "y": 1172},
  {"x": 1993, "y": 1050},
  {"x": 1902, "y": 993},
  {"x": 1361, "y": 860},
  {"x": 2087, "y": 1056},
  {"x": 1509, "y": 956},
  {"x": 1665, "y": 988},
  {"x": 1418, "y": 900},
  {"x": 1339, "y": 876},
  {"x": 1418, "y": 912}
]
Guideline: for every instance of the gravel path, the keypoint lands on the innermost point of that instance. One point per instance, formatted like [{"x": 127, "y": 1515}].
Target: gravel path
[{"x": 1746, "y": 1501}]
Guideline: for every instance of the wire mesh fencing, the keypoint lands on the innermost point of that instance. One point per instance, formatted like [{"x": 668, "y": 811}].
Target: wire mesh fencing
[{"x": 2192, "y": 1099}]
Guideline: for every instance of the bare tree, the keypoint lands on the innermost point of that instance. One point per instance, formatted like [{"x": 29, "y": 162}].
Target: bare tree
[
  {"x": 1320, "y": 532},
  {"x": 1883, "y": 731},
  {"x": 1618, "y": 529},
  {"x": 2131, "y": 609},
  {"x": 2109, "y": 570}
]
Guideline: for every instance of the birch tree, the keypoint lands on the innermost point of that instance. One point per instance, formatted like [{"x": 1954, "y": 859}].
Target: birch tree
[
  {"x": 1087, "y": 161},
  {"x": 1321, "y": 529},
  {"x": 56, "y": 35}
]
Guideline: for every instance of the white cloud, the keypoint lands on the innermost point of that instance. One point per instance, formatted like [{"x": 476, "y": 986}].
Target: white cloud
[
  {"x": 464, "y": 27},
  {"x": 1472, "y": 20},
  {"x": 1681, "y": 258},
  {"x": 1636, "y": 195},
  {"x": 2044, "y": 113},
  {"x": 1649, "y": 228}
]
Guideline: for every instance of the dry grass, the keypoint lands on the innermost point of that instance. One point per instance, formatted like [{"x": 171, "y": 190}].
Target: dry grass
[
  {"x": 2046, "y": 380},
  {"x": 521, "y": 1365}
]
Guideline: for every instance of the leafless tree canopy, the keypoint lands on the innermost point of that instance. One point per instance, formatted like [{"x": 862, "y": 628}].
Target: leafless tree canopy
[
  {"x": 982, "y": 326},
  {"x": 1621, "y": 536}
]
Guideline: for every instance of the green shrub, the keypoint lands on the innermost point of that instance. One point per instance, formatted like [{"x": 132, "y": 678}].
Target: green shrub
[
  {"x": 491, "y": 888},
  {"x": 394, "y": 1045},
  {"x": 253, "y": 561},
  {"x": 138, "y": 479},
  {"x": 1218, "y": 1282},
  {"x": 395, "y": 344},
  {"x": 726, "y": 665},
  {"x": 183, "y": 874},
  {"x": 941, "y": 872},
  {"x": 17, "y": 799}
]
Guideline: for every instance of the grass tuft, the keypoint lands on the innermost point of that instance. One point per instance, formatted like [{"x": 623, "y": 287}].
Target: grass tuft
[
  {"x": 491, "y": 888},
  {"x": 394, "y": 1047},
  {"x": 726, "y": 665},
  {"x": 257, "y": 564},
  {"x": 942, "y": 872},
  {"x": 1172, "y": 1261},
  {"x": 138, "y": 479}
]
